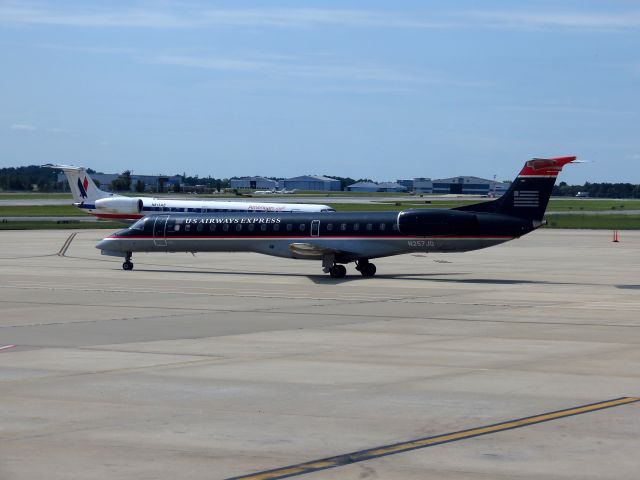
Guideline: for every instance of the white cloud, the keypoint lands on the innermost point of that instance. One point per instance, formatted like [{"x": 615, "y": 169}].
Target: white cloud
[
  {"x": 185, "y": 15},
  {"x": 360, "y": 73},
  {"x": 555, "y": 20},
  {"x": 23, "y": 127}
]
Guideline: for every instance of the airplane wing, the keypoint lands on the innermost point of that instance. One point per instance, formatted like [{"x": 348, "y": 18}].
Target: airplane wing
[{"x": 308, "y": 250}]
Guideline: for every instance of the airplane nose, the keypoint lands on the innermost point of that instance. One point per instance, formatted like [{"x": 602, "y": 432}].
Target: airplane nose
[{"x": 106, "y": 244}]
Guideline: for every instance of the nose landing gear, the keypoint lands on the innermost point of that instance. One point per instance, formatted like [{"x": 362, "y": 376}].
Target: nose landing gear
[{"x": 127, "y": 265}]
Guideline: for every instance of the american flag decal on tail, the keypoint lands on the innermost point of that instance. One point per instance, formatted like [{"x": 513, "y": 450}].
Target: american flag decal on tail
[{"x": 526, "y": 198}]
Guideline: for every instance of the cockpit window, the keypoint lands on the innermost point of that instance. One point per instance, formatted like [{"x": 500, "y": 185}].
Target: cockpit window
[{"x": 139, "y": 225}]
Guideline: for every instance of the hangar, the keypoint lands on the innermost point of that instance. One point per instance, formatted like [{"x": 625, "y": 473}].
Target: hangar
[
  {"x": 468, "y": 186},
  {"x": 253, "y": 183},
  {"x": 312, "y": 182}
]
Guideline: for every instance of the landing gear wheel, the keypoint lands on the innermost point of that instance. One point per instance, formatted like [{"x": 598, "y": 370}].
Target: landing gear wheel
[
  {"x": 338, "y": 271},
  {"x": 367, "y": 269},
  {"x": 127, "y": 265}
]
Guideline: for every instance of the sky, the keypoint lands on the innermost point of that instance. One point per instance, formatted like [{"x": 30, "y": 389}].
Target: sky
[{"x": 368, "y": 89}]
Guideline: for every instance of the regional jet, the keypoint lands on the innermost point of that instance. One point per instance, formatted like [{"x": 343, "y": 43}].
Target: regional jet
[
  {"x": 342, "y": 238},
  {"x": 89, "y": 198}
]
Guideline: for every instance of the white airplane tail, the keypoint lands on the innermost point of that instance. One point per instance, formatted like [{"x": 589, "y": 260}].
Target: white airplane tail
[{"x": 82, "y": 187}]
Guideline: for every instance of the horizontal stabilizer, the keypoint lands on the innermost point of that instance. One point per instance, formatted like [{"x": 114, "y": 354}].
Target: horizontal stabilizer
[{"x": 70, "y": 168}]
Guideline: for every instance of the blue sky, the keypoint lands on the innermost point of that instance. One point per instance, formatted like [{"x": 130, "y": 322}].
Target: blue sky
[{"x": 384, "y": 90}]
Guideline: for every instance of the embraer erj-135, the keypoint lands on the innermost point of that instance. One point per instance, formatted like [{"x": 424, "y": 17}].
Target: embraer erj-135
[
  {"x": 340, "y": 238},
  {"x": 88, "y": 197}
]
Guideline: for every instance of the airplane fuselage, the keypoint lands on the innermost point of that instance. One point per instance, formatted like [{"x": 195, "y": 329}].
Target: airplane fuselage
[
  {"x": 133, "y": 208},
  {"x": 339, "y": 238},
  {"x": 353, "y": 235}
]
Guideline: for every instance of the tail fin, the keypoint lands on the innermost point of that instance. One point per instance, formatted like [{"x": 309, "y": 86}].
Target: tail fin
[
  {"x": 529, "y": 194},
  {"x": 82, "y": 187}
]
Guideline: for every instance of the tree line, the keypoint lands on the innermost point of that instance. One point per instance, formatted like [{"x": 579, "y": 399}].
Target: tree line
[
  {"x": 35, "y": 177},
  {"x": 598, "y": 190}
]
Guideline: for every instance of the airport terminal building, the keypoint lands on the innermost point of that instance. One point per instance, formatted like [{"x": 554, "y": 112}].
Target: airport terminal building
[
  {"x": 468, "y": 186},
  {"x": 418, "y": 185},
  {"x": 253, "y": 183}
]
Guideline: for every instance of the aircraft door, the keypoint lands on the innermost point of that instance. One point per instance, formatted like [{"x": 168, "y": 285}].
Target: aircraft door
[
  {"x": 315, "y": 228},
  {"x": 159, "y": 231}
]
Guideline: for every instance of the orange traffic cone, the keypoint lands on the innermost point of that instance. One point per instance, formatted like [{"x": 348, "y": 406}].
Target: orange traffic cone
[{"x": 615, "y": 236}]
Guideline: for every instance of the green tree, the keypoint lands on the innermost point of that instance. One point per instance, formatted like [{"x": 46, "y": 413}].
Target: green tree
[
  {"x": 122, "y": 183},
  {"x": 140, "y": 186}
]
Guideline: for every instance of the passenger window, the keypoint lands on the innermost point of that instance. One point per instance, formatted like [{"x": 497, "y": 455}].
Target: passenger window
[
  {"x": 200, "y": 227},
  {"x": 302, "y": 225},
  {"x": 225, "y": 227},
  {"x": 369, "y": 226},
  {"x": 383, "y": 227},
  {"x": 343, "y": 227},
  {"x": 238, "y": 227},
  {"x": 250, "y": 227},
  {"x": 289, "y": 227},
  {"x": 177, "y": 228},
  {"x": 356, "y": 227},
  {"x": 212, "y": 227},
  {"x": 276, "y": 227},
  {"x": 263, "y": 227},
  {"x": 329, "y": 227},
  {"x": 394, "y": 227}
]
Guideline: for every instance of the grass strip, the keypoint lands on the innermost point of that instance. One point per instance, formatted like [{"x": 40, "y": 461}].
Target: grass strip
[
  {"x": 594, "y": 222},
  {"x": 47, "y": 225},
  {"x": 41, "y": 211}
]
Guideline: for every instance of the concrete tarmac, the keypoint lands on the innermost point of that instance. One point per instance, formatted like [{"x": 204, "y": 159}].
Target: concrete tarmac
[{"x": 222, "y": 365}]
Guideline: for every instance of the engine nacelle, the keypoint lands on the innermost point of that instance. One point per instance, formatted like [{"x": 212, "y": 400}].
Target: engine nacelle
[
  {"x": 119, "y": 205},
  {"x": 436, "y": 222}
]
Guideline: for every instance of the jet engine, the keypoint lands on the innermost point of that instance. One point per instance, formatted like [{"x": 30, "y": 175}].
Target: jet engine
[
  {"x": 436, "y": 222},
  {"x": 119, "y": 205}
]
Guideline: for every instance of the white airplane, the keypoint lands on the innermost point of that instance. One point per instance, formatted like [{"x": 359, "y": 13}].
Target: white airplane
[
  {"x": 88, "y": 197},
  {"x": 274, "y": 191}
]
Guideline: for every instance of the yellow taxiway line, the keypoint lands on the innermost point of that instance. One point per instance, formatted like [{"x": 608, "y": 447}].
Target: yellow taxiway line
[{"x": 371, "y": 453}]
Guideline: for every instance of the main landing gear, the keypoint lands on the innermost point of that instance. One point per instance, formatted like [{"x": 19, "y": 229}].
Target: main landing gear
[
  {"x": 365, "y": 268},
  {"x": 127, "y": 265},
  {"x": 337, "y": 270}
]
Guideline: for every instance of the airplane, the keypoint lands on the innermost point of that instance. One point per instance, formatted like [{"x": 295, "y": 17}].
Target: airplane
[
  {"x": 89, "y": 198},
  {"x": 274, "y": 191},
  {"x": 340, "y": 238}
]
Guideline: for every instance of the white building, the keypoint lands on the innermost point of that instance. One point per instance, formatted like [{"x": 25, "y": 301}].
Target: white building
[
  {"x": 253, "y": 183},
  {"x": 418, "y": 185},
  {"x": 312, "y": 182},
  {"x": 468, "y": 186},
  {"x": 363, "y": 187}
]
